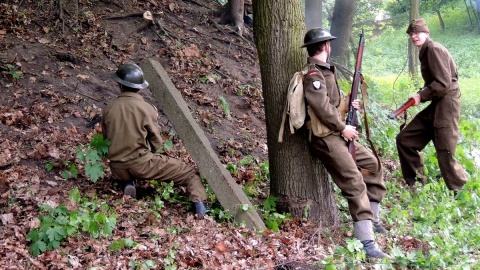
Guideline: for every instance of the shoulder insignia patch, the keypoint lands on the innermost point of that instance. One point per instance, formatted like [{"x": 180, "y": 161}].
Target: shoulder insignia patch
[{"x": 316, "y": 85}]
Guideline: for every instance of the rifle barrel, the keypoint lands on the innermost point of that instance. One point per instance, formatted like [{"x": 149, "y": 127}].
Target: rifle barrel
[
  {"x": 410, "y": 102},
  {"x": 357, "y": 77}
]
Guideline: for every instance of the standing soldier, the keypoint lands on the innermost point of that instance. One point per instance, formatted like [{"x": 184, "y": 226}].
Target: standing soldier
[
  {"x": 438, "y": 122},
  {"x": 362, "y": 186},
  {"x": 130, "y": 124}
]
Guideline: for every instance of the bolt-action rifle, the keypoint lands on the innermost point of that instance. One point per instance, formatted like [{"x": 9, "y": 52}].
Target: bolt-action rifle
[
  {"x": 357, "y": 80},
  {"x": 410, "y": 102}
]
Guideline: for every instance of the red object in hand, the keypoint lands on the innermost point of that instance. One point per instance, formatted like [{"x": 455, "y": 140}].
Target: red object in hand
[{"x": 410, "y": 102}]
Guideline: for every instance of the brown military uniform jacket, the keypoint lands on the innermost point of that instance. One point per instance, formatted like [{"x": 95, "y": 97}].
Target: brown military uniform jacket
[
  {"x": 130, "y": 124},
  {"x": 323, "y": 96},
  {"x": 438, "y": 122},
  {"x": 440, "y": 75}
]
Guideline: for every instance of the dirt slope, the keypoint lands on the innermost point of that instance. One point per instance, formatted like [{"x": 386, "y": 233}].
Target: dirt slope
[{"x": 56, "y": 77}]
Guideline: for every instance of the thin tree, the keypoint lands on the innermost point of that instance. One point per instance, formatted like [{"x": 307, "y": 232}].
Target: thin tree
[
  {"x": 342, "y": 21},
  {"x": 298, "y": 181},
  {"x": 234, "y": 12},
  {"x": 413, "y": 61},
  {"x": 313, "y": 13}
]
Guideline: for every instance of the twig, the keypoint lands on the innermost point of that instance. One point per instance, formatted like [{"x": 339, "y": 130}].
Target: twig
[
  {"x": 219, "y": 72},
  {"x": 199, "y": 4},
  {"x": 125, "y": 16},
  {"x": 217, "y": 26},
  {"x": 142, "y": 26},
  {"x": 87, "y": 96}
]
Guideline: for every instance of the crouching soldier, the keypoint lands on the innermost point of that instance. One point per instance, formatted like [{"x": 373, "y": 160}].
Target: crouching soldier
[{"x": 130, "y": 124}]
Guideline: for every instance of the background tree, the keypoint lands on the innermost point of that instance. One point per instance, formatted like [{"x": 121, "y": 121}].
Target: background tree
[
  {"x": 413, "y": 60},
  {"x": 297, "y": 179},
  {"x": 313, "y": 13},
  {"x": 342, "y": 20},
  {"x": 234, "y": 12}
]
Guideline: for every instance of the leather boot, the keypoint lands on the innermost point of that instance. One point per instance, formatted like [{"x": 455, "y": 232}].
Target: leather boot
[
  {"x": 377, "y": 225},
  {"x": 364, "y": 232},
  {"x": 199, "y": 208},
  {"x": 130, "y": 190}
]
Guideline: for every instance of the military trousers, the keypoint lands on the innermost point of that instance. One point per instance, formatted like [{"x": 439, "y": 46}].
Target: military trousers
[
  {"x": 417, "y": 134},
  {"x": 163, "y": 168},
  {"x": 358, "y": 188}
]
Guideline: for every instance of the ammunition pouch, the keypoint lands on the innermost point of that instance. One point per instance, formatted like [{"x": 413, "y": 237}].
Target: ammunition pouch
[{"x": 317, "y": 127}]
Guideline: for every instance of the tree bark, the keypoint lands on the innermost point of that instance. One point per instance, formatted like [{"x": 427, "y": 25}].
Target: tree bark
[
  {"x": 342, "y": 22},
  {"x": 237, "y": 12},
  {"x": 413, "y": 60},
  {"x": 233, "y": 13},
  {"x": 313, "y": 13},
  {"x": 440, "y": 19},
  {"x": 298, "y": 180}
]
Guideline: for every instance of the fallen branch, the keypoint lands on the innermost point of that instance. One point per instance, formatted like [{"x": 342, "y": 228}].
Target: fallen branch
[
  {"x": 125, "y": 16},
  {"x": 147, "y": 20},
  {"x": 200, "y": 4}
]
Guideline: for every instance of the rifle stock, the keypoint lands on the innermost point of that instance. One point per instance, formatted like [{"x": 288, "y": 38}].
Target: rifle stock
[
  {"x": 410, "y": 102},
  {"x": 357, "y": 78}
]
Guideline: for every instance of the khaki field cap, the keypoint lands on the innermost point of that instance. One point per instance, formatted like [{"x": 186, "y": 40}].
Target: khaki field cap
[{"x": 418, "y": 25}]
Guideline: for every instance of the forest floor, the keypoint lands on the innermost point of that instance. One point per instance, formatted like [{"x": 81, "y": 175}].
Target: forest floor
[{"x": 55, "y": 78}]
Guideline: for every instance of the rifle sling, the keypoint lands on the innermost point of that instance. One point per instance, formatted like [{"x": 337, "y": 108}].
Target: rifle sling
[{"x": 364, "y": 87}]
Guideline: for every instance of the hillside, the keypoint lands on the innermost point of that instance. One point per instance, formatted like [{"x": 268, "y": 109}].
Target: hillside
[{"x": 55, "y": 78}]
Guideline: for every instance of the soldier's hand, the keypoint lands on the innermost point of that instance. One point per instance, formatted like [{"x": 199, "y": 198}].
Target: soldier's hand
[
  {"x": 417, "y": 99},
  {"x": 350, "y": 133},
  {"x": 357, "y": 105}
]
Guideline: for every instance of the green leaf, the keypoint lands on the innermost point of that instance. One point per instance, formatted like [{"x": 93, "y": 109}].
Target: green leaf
[
  {"x": 81, "y": 154},
  {"x": 56, "y": 233},
  {"x": 168, "y": 145},
  {"x": 272, "y": 225},
  {"x": 246, "y": 161},
  {"x": 226, "y": 107},
  {"x": 109, "y": 225},
  {"x": 130, "y": 243},
  {"x": 53, "y": 245},
  {"x": 270, "y": 204},
  {"x": 117, "y": 245},
  {"x": 49, "y": 166},
  {"x": 99, "y": 143},
  {"x": 92, "y": 156},
  {"x": 74, "y": 195},
  {"x": 32, "y": 236},
  {"x": 94, "y": 171},
  {"x": 37, "y": 247},
  {"x": 94, "y": 229}
]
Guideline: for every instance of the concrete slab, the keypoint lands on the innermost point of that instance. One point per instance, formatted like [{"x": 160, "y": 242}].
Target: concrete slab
[{"x": 171, "y": 102}]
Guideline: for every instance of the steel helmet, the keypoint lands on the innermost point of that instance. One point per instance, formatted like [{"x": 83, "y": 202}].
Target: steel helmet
[
  {"x": 316, "y": 35},
  {"x": 130, "y": 75}
]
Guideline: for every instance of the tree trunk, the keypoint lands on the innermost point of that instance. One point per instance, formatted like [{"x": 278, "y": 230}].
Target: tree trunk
[
  {"x": 440, "y": 19},
  {"x": 477, "y": 9},
  {"x": 413, "y": 61},
  {"x": 233, "y": 13},
  {"x": 237, "y": 12},
  {"x": 342, "y": 22},
  {"x": 299, "y": 182},
  {"x": 313, "y": 13}
]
